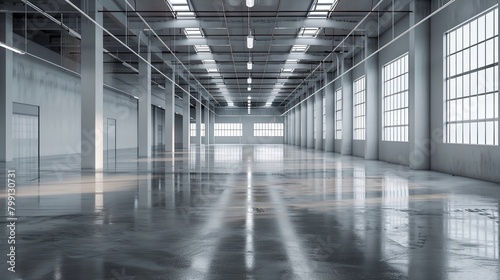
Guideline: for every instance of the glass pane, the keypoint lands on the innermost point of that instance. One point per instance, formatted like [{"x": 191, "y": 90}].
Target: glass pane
[
  {"x": 490, "y": 79},
  {"x": 466, "y": 85},
  {"x": 474, "y": 109},
  {"x": 481, "y": 107},
  {"x": 473, "y": 32},
  {"x": 466, "y": 133},
  {"x": 459, "y": 133},
  {"x": 466, "y": 109},
  {"x": 490, "y": 139},
  {"x": 473, "y": 133},
  {"x": 481, "y": 82},
  {"x": 481, "y": 133},
  {"x": 481, "y": 55},
  {"x": 481, "y": 27},
  {"x": 473, "y": 57},
  {"x": 490, "y": 25}
]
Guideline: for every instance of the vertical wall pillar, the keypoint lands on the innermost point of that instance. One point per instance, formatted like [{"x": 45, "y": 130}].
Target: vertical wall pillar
[
  {"x": 198, "y": 122},
  {"x": 372, "y": 100},
  {"x": 346, "y": 107},
  {"x": 319, "y": 117},
  {"x": 6, "y": 88},
  {"x": 291, "y": 125},
  {"x": 419, "y": 87},
  {"x": 207, "y": 123},
  {"x": 330, "y": 114},
  {"x": 170, "y": 114},
  {"x": 303, "y": 123},
  {"x": 212, "y": 127},
  {"x": 145, "y": 133},
  {"x": 310, "y": 120},
  {"x": 186, "y": 120},
  {"x": 298, "y": 115},
  {"x": 92, "y": 102}
]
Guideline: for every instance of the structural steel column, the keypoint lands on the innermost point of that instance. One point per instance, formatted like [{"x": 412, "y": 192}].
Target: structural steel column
[
  {"x": 198, "y": 122},
  {"x": 206, "y": 112},
  {"x": 186, "y": 120},
  {"x": 170, "y": 114},
  {"x": 92, "y": 118},
  {"x": 372, "y": 100},
  {"x": 419, "y": 87},
  {"x": 346, "y": 107},
  {"x": 310, "y": 121},
  {"x": 145, "y": 133},
  {"x": 212, "y": 127},
  {"x": 319, "y": 117},
  {"x": 330, "y": 114},
  {"x": 298, "y": 135},
  {"x": 303, "y": 123},
  {"x": 6, "y": 92}
]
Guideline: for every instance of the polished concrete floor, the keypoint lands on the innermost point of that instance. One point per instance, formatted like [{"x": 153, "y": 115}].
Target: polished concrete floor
[{"x": 250, "y": 212}]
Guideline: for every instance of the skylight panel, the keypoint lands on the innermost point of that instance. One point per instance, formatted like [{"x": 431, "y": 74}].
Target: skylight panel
[
  {"x": 181, "y": 8},
  {"x": 185, "y": 15},
  {"x": 193, "y": 32},
  {"x": 315, "y": 14},
  {"x": 309, "y": 32},
  {"x": 201, "y": 48},
  {"x": 323, "y": 8},
  {"x": 300, "y": 48},
  {"x": 208, "y": 61},
  {"x": 178, "y": 2}
]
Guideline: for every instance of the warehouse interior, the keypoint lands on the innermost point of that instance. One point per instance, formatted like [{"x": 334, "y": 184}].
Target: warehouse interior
[{"x": 249, "y": 139}]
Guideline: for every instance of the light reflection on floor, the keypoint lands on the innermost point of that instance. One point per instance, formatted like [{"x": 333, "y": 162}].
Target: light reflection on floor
[{"x": 252, "y": 212}]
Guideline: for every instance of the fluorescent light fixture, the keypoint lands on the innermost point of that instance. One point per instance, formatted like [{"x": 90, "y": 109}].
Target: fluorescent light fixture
[
  {"x": 287, "y": 70},
  {"x": 193, "y": 32},
  {"x": 292, "y": 61},
  {"x": 230, "y": 104},
  {"x": 249, "y": 65},
  {"x": 249, "y": 97},
  {"x": 249, "y": 88},
  {"x": 201, "y": 48},
  {"x": 3, "y": 45},
  {"x": 249, "y": 80},
  {"x": 250, "y": 3},
  {"x": 211, "y": 70},
  {"x": 269, "y": 103},
  {"x": 250, "y": 40}
]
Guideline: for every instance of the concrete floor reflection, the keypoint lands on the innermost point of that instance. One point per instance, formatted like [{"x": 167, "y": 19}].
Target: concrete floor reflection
[{"x": 251, "y": 212}]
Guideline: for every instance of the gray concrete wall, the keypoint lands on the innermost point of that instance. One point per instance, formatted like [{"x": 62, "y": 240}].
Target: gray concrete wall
[
  {"x": 248, "y": 122},
  {"x": 57, "y": 93},
  {"x": 481, "y": 162},
  {"x": 395, "y": 152}
]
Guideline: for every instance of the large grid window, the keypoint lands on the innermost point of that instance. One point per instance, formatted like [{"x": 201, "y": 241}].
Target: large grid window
[
  {"x": 268, "y": 129},
  {"x": 228, "y": 129},
  {"x": 359, "y": 109},
  {"x": 324, "y": 116},
  {"x": 338, "y": 114},
  {"x": 472, "y": 81},
  {"x": 193, "y": 130},
  {"x": 395, "y": 100}
]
